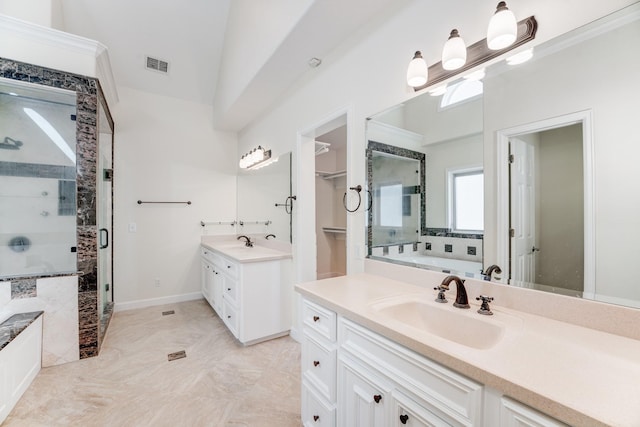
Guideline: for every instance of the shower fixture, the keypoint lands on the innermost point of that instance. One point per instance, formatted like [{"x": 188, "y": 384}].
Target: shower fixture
[{"x": 10, "y": 144}]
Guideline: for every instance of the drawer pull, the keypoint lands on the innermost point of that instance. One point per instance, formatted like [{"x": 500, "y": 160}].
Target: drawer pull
[
  {"x": 228, "y": 317},
  {"x": 316, "y": 318},
  {"x": 316, "y": 363},
  {"x": 228, "y": 289},
  {"x": 377, "y": 398},
  {"x": 404, "y": 418},
  {"x": 316, "y": 418}
]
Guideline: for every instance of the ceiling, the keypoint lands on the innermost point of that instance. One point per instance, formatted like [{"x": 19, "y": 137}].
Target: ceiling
[{"x": 219, "y": 53}]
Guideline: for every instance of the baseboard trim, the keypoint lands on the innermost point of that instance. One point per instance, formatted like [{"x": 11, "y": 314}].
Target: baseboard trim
[{"x": 143, "y": 303}]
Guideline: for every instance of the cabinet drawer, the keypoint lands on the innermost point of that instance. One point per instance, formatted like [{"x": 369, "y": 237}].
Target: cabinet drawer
[
  {"x": 319, "y": 367},
  {"x": 230, "y": 291},
  {"x": 315, "y": 412},
  {"x": 319, "y": 320},
  {"x": 515, "y": 414},
  {"x": 230, "y": 317},
  {"x": 229, "y": 267},
  {"x": 444, "y": 392},
  {"x": 407, "y": 412}
]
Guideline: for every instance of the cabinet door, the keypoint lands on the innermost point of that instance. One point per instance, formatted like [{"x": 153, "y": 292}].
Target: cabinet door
[
  {"x": 406, "y": 412},
  {"x": 206, "y": 281},
  {"x": 362, "y": 399},
  {"x": 316, "y": 412},
  {"x": 216, "y": 290}
]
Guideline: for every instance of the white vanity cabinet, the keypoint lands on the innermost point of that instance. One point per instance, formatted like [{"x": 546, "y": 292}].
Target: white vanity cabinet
[
  {"x": 250, "y": 297},
  {"x": 352, "y": 376}
]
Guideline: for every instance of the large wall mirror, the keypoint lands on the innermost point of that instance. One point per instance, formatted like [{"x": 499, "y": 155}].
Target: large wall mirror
[
  {"x": 560, "y": 163},
  {"x": 264, "y": 200}
]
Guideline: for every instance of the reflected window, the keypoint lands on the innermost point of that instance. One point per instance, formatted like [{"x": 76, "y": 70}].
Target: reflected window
[
  {"x": 464, "y": 90},
  {"x": 391, "y": 205},
  {"x": 466, "y": 199}
]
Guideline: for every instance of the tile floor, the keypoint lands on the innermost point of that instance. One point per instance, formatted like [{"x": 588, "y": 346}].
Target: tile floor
[{"x": 132, "y": 383}]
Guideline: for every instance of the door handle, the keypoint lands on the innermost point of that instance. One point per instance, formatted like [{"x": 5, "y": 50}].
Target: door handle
[
  {"x": 106, "y": 233},
  {"x": 534, "y": 249}
]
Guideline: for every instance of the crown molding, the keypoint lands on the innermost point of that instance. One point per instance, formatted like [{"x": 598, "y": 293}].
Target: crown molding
[{"x": 11, "y": 27}]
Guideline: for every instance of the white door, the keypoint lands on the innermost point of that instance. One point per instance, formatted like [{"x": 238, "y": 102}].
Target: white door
[{"x": 523, "y": 213}]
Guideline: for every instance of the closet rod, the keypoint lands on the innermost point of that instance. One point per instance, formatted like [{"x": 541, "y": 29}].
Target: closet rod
[{"x": 181, "y": 203}]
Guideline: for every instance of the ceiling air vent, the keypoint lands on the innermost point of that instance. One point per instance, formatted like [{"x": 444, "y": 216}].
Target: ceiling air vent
[{"x": 157, "y": 65}]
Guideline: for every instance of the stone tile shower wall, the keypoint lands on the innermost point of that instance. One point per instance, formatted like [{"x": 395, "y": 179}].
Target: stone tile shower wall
[{"x": 88, "y": 93}]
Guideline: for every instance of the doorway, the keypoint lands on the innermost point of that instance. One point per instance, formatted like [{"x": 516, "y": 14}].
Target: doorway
[
  {"x": 331, "y": 216},
  {"x": 546, "y": 200}
]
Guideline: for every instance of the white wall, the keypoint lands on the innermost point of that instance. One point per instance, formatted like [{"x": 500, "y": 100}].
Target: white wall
[
  {"x": 367, "y": 75},
  {"x": 47, "y": 13},
  {"x": 166, "y": 150}
]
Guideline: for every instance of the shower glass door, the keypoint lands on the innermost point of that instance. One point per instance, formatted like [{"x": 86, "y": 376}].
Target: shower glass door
[{"x": 105, "y": 218}]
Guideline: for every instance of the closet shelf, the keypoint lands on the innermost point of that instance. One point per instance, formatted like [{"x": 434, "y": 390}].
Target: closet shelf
[
  {"x": 331, "y": 175},
  {"x": 336, "y": 230}
]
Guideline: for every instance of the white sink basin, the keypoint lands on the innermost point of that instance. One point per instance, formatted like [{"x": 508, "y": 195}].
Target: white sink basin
[{"x": 463, "y": 326}]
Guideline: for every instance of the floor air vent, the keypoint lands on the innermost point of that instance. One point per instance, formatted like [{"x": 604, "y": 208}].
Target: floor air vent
[{"x": 157, "y": 64}]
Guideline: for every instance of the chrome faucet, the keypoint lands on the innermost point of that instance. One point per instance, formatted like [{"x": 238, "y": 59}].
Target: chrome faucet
[
  {"x": 248, "y": 243},
  {"x": 490, "y": 270},
  {"x": 462, "y": 301}
]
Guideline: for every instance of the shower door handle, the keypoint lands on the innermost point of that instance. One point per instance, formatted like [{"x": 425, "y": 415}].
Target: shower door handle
[{"x": 106, "y": 240}]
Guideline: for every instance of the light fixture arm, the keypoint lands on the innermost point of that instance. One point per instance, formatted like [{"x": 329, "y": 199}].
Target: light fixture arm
[{"x": 478, "y": 53}]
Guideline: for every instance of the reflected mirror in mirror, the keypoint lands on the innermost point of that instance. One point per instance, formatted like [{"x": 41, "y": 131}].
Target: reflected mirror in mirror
[
  {"x": 264, "y": 204},
  {"x": 444, "y": 133},
  {"x": 37, "y": 179}
]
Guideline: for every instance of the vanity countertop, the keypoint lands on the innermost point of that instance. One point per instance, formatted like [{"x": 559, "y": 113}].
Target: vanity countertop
[
  {"x": 11, "y": 328},
  {"x": 578, "y": 375},
  {"x": 237, "y": 251}
]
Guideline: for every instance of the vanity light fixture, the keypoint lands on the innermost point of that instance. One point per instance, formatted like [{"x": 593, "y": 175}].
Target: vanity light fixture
[
  {"x": 420, "y": 76},
  {"x": 454, "y": 52},
  {"x": 417, "y": 73},
  {"x": 503, "y": 28},
  {"x": 520, "y": 57},
  {"x": 254, "y": 157}
]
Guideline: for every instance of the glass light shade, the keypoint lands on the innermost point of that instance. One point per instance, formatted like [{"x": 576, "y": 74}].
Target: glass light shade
[
  {"x": 503, "y": 28},
  {"x": 418, "y": 72},
  {"x": 454, "y": 53},
  {"x": 259, "y": 154}
]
